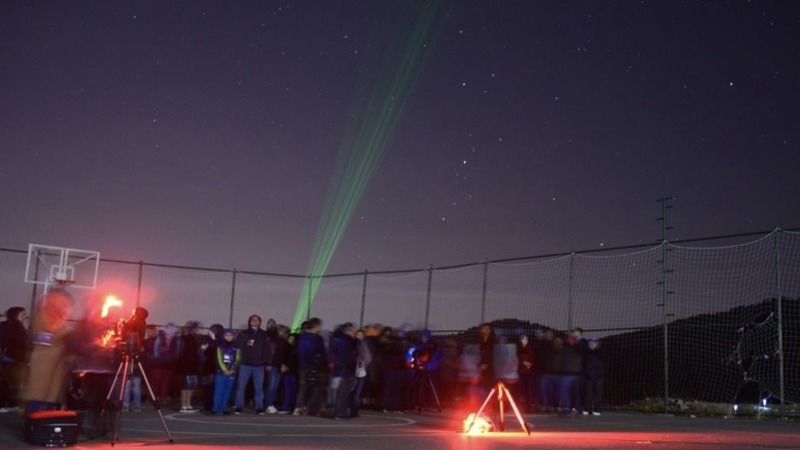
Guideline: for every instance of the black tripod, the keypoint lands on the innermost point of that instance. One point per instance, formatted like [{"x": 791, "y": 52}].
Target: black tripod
[
  {"x": 126, "y": 367},
  {"x": 421, "y": 384}
]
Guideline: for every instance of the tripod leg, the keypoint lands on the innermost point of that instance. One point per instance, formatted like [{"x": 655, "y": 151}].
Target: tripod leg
[
  {"x": 153, "y": 398},
  {"x": 501, "y": 392},
  {"x": 435, "y": 395},
  {"x": 483, "y": 406},
  {"x": 115, "y": 431},
  {"x": 516, "y": 411},
  {"x": 101, "y": 418}
]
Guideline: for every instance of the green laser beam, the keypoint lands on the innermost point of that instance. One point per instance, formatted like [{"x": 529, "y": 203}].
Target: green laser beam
[{"x": 391, "y": 70}]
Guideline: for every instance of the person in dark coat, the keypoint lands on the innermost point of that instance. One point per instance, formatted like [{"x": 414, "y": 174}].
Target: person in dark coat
[
  {"x": 525, "y": 360},
  {"x": 12, "y": 348},
  {"x": 567, "y": 367},
  {"x": 273, "y": 375},
  {"x": 189, "y": 366},
  {"x": 312, "y": 363},
  {"x": 486, "y": 362},
  {"x": 208, "y": 363},
  {"x": 345, "y": 354},
  {"x": 594, "y": 373},
  {"x": 289, "y": 373},
  {"x": 256, "y": 355}
]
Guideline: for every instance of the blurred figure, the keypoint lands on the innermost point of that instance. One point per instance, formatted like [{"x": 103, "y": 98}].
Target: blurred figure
[
  {"x": 208, "y": 364},
  {"x": 450, "y": 387},
  {"x": 345, "y": 355},
  {"x": 424, "y": 361},
  {"x": 161, "y": 362},
  {"x": 48, "y": 362},
  {"x": 96, "y": 360},
  {"x": 486, "y": 343},
  {"x": 188, "y": 366},
  {"x": 545, "y": 380},
  {"x": 13, "y": 347},
  {"x": 567, "y": 367},
  {"x": 273, "y": 375},
  {"x": 363, "y": 362},
  {"x": 132, "y": 397},
  {"x": 594, "y": 374},
  {"x": 580, "y": 344},
  {"x": 525, "y": 358},
  {"x": 312, "y": 363},
  {"x": 289, "y": 372},
  {"x": 391, "y": 360}
]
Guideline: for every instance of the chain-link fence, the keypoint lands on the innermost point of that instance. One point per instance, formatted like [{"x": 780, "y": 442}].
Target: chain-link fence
[{"x": 683, "y": 307}]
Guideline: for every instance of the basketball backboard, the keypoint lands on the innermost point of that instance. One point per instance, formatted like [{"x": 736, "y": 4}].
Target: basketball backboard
[{"x": 60, "y": 266}]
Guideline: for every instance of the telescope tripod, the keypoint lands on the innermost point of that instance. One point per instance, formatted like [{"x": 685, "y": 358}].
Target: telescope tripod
[
  {"x": 421, "y": 386},
  {"x": 502, "y": 393},
  {"x": 126, "y": 369}
]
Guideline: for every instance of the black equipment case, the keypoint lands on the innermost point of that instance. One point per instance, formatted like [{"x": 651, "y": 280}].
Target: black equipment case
[{"x": 51, "y": 428}]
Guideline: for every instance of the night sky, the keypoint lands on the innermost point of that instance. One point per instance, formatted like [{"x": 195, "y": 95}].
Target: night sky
[{"x": 206, "y": 133}]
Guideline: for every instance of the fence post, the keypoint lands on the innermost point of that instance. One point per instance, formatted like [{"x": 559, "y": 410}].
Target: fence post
[
  {"x": 363, "y": 300},
  {"x": 308, "y": 296},
  {"x": 233, "y": 298},
  {"x": 483, "y": 292},
  {"x": 139, "y": 283},
  {"x": 665, "y": 319},
  {"x": 569, "y": 293},
  {"x": 779, "y": 296},
  {"x": 428, "y": 295},
  {"x": 34, "y": 291}
]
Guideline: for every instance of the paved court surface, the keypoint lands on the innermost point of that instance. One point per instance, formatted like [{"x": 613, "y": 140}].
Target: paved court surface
[{"x": 433, "y": 431}]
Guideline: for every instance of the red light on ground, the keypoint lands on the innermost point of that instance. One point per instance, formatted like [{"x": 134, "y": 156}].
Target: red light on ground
[{"x": 475, "y": 425}]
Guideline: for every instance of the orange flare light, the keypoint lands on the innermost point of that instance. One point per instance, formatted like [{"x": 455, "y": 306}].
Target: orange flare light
[
  {"x": 111, "y": 302},
  {"x": 108, "y": 339}
]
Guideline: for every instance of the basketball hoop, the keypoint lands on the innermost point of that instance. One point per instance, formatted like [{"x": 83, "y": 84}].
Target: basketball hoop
[{"x": 60, "y": 266}]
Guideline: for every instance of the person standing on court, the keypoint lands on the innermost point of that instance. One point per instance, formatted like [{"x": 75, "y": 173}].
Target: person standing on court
[{"x": 256, "y": 356}]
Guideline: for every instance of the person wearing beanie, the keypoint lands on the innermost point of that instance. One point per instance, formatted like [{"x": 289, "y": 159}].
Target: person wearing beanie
[
  {"x": 228, "y": 360},
  {"x": 208, "y": 363}
]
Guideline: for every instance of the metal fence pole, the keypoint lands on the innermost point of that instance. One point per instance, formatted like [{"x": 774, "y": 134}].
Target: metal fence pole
[
  {"x": 233, "y": 298},
  {"x": 428, "y": 295},
  {"x": 569, "y": 294},
  {"x": 363, "y": 300},
  {"x": 139, "y": 283},
  {"x": 665, "y": 328},
  {"x": 483, "y": 292},
  {"x": 308, "y": 296},
  {"x": 34, "y": 291},
  {"x": 779, "y": 296}
]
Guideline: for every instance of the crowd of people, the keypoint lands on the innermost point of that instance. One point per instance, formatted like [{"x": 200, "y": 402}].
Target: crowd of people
[{"x": 276, "y": 370}]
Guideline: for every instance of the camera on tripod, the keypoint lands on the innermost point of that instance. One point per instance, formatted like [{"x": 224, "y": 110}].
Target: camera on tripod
[
  {"x": 421, "y": 356},
  {"x": 129, "y": 334}
]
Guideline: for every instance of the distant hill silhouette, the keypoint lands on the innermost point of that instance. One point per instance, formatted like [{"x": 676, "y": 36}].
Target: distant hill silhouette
[{"x": 729, "y": 356}]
